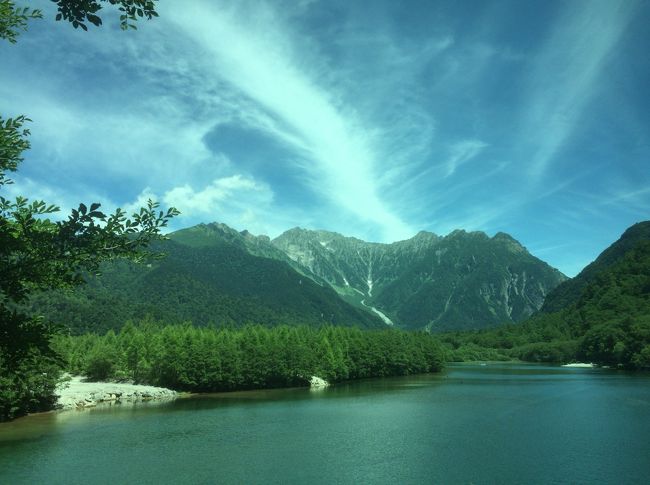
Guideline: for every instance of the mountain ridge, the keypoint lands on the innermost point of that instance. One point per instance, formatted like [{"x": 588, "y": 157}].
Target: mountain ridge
[
  {"x": 214, "y": 274},
  {"x": 401, "y": 280},
  {"x": 569, "y": 291}
]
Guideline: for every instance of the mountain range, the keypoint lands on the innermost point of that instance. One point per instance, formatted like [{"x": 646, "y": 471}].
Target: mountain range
[
  {"x": 601, "y": 316},
  {"x": 213, "y": 274},
  {"x": 460, "y": 281}
]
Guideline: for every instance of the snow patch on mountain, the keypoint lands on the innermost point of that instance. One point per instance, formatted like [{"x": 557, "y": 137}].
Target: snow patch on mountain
[{"x": 381, "y": 315}]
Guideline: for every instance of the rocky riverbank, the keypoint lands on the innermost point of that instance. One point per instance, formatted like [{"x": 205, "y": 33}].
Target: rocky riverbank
[{"x": 78, "y": 394}]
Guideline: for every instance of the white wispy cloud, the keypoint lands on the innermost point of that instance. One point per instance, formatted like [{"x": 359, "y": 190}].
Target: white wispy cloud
[
  {"x": 630, "y": 196},
  {"x": 207, "y": 201},
  {"x": 258, "y": 59},
  {"x": 461, "y": 153},
  {"x": 237, "y": 200},
  {"x": 239, "y": 64},
  {"x": 567, "y": 74}
]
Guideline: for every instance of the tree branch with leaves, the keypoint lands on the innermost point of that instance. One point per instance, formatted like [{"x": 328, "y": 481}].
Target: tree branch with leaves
[{"x": 37, "y": 253}]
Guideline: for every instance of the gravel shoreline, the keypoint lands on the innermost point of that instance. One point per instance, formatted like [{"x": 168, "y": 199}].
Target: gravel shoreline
[{"x": 77, "y": 394}]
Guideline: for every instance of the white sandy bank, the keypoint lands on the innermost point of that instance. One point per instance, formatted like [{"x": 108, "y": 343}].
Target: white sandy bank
[{"x": 76, "y": 393}]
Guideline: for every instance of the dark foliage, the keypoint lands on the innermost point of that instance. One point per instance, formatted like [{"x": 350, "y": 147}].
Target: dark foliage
[{"x": 78, "y": 12}]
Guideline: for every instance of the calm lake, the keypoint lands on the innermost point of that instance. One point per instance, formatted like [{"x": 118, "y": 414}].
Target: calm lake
[{"x": 499, "y": 423}]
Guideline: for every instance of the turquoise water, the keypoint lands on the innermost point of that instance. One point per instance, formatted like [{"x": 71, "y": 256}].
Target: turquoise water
[{"x": 498, "y": 423}]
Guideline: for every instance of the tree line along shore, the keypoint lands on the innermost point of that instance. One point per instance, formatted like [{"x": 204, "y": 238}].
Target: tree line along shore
[{"x": 195, "y": 359}]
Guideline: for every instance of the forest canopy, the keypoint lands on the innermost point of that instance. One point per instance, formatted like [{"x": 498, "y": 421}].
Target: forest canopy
[{"x": 187, "y": 358}]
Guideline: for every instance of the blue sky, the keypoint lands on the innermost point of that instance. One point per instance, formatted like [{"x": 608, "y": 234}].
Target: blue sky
[{"x": 373, "y": 119}]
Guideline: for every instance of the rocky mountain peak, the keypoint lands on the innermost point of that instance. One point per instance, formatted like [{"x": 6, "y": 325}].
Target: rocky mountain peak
[
  {"x": 424, "y": 236},
  {"x": 510, "y": 242}
]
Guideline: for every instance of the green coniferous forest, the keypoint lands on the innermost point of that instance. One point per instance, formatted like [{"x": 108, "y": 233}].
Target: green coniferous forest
[{"x": 187, "y": 358}]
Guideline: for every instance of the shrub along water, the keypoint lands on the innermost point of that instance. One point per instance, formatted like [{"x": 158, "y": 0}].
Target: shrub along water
[{"x": 187, "y": 358}]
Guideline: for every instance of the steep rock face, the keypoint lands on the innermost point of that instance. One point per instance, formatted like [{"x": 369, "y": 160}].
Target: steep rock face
[
  {"x": 471, "y": 281},
  {"x": 350, "y": 263},
  {"x": 464, "y": 280}
]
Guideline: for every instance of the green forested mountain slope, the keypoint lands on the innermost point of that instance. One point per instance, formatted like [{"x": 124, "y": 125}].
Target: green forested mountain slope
[
  {"x": 210, "y": 235},
  {"x": 463, "y": 280},
  {"x": 569, "y": 291},
  {"x": 608, "y": 323},
  {"x": 219, "y": 283}
]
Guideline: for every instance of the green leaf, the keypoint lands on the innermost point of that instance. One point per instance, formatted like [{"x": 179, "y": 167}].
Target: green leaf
[{"x": 94, "y": 19}]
